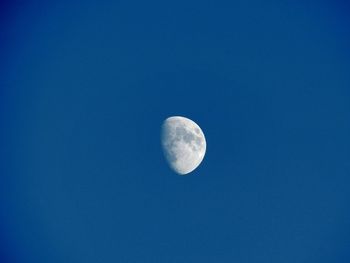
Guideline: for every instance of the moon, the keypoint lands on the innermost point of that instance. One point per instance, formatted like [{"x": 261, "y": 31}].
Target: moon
[{"x": 183, "y": 144}]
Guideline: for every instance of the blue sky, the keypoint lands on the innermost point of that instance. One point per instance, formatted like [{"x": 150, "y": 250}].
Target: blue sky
[{"x": 85, "y": 87}]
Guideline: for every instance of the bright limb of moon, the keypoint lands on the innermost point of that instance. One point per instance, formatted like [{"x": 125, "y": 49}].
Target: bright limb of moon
[{"x": 183, "y": 144}]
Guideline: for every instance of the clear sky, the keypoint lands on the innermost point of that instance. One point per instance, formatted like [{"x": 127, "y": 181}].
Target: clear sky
[{"x": 85, "y": 87}]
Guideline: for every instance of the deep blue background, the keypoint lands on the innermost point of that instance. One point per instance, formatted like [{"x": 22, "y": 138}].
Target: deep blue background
[{"x": 85, "y": 87}]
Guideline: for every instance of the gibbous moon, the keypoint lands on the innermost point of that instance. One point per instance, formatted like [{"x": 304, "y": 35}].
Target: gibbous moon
[{"x": 183, "y": 144}]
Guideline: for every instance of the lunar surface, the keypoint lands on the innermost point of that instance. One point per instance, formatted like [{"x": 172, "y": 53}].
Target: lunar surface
[{"x": 183, "y": 144}]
